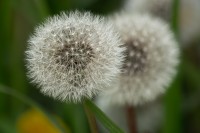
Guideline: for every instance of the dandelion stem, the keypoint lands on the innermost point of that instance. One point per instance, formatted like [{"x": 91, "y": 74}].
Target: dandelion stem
[
  {"x": 91, "y": 119},
  {"x": 131, "y": 119}
]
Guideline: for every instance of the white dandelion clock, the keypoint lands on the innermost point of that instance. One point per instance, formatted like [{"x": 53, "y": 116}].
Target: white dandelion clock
[
  {"x": 73, "y": 56},
  {"x": 159, "y": 8},
  {"x": 151, "y": 59}
]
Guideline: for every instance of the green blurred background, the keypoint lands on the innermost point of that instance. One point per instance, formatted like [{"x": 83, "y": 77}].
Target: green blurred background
[{"x": 17, "y": 21}]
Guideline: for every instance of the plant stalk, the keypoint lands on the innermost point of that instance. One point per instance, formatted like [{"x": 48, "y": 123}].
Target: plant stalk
[
  {"x": 91, "y": 119},
  {"x": 131, "y": 119}
]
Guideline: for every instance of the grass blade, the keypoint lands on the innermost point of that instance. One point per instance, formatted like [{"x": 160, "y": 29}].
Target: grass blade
[{"x": 103, "y": 118}]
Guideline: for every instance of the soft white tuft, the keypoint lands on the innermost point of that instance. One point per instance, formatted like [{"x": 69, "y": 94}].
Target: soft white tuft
[
  {"x": 151, "y": 59},
  {"x": 159, "y": 8},
  {"x": 73, "y": 56}
]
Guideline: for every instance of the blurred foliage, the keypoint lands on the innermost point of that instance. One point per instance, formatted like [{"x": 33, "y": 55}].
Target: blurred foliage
[
  {"x": 17, "y": 20},
  {"x": 33, "y": 121},
  {"x": 173, "y": 96}
]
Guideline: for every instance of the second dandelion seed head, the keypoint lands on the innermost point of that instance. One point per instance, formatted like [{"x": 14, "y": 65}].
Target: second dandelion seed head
[{"x": 151, "y": 58}]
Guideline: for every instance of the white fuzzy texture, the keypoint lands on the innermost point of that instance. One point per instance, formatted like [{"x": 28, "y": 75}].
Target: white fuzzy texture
[
  {"x": 151, "y": 59},
  {"x": 73, "y": 56},
  {"x": 159, "y": 8}
]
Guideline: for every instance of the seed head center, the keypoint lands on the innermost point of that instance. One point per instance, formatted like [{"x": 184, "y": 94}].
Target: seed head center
[
  {"x": 74, "y": 55},
  {"x": 135, "y": 59}
]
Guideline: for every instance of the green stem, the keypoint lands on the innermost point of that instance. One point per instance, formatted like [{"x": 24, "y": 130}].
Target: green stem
[
  {"x": 112, "y": 128},
  {"x": 91, "y": 119}
]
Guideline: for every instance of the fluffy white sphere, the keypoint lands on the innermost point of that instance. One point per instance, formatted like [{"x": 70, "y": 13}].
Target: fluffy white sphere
[
  {"x": 188, "y": 15},
  {"x": 159, "y": 8},
  {"x": 151, "y": 59},
  {"x": 73, "y": 56}
]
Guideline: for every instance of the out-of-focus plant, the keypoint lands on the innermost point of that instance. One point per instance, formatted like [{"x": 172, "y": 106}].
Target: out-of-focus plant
[{"x": 33, "y": 121}]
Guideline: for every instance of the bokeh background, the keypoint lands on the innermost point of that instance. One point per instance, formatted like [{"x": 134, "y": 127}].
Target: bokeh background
[{"x": 21, "y": 102}]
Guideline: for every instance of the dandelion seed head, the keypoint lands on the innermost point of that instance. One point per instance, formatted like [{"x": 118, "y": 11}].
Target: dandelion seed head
[
  {"x": 151, "y": 58},
  {"x": 74, "y": 56},
  {"x": 158, "y": 8}
]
